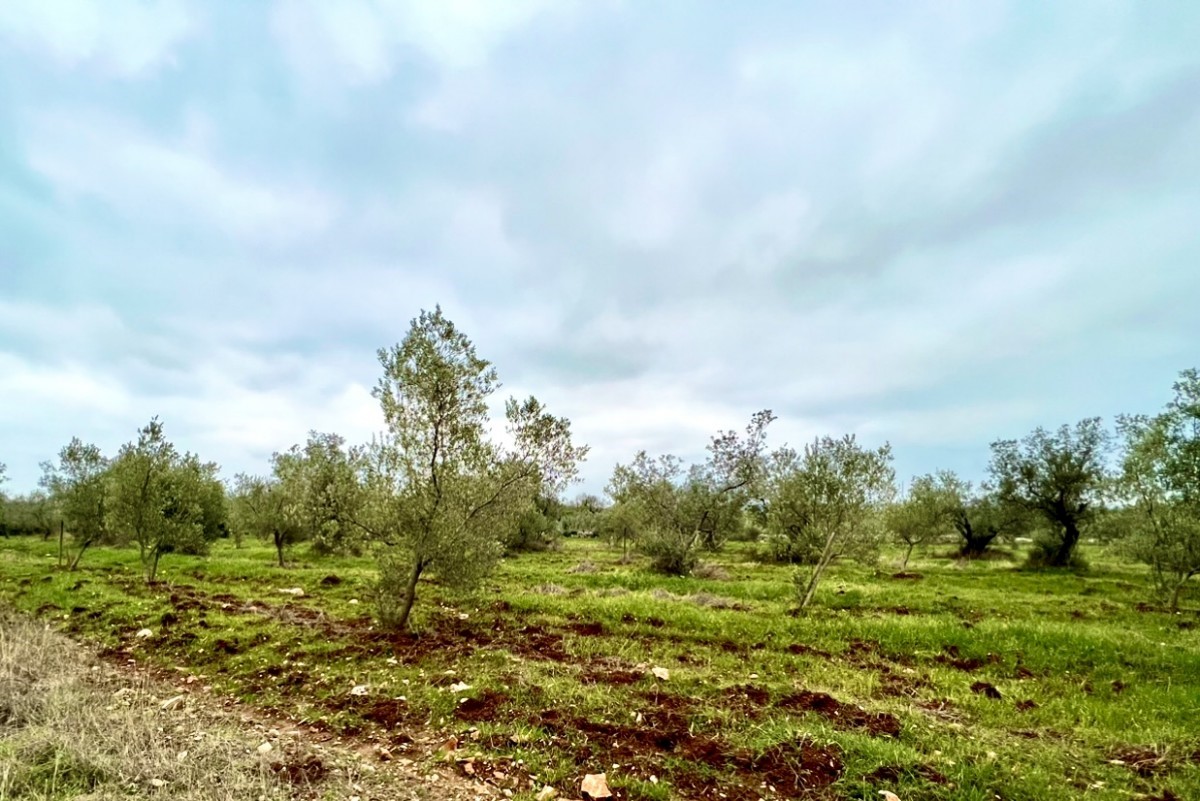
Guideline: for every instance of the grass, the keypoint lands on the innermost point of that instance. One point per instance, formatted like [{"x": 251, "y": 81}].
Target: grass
[
  {"x": 73, "y": 728},
  {"x": 888, "y": 684}
]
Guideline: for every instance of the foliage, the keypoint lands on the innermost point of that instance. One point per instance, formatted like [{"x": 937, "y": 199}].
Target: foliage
[
  {"x": 159, "y": 498},
  {"x": 1160, "y": 477},
  {"x": 924, "y": 515},
  {"x": 1059, "y": 476},
  {"x": 262, "y": 508},
  {"x": 439, "y": 489},
  {"x": 537, "y": 528},
  {"x": 323, "y": 488},
  {"x": 826, "y": 503},
  {"x": 676, "y": 511},
  {"x": 32, "y": 513},
  {"x": 79, "y": 486}
]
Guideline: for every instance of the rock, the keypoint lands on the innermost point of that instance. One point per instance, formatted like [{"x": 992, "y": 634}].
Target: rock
[
  {"x": 157, "y": 783},
  {"x": 295, "y": 592},
  {"x": 661, "y": 673},
  {"x": 459, "y": 687},
  {"x": 265, "y": 748},
  {"x": 889, "y": 796},
  {"x": 352, "y": 601},
  {"x": 595, "y": 786},
  {"x": 546, "y": 793},
  {"x": 171, "y": 703},
  {"x": 359, "y": 689},
  {"x": 144, "y": 633}
]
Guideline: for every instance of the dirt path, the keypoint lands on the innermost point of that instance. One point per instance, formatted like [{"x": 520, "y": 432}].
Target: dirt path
[{"x": 74, "y": 724}]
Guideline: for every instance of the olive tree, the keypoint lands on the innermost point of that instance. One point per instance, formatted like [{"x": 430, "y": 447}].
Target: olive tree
[
  {"x": 158, "y": 497},
  {"x": 262, "y": 508},
  {"x": 78, "y": 483},
  {"x": 924, "y": 515},
  {"x": 322, "y": 480},
  {"x": 1160, "y": 478},
  {"x": 827, "y": 501},
  {"x": 680, "y": 510},
  {"x": 440, "y": 489},
  {"x": 1059, "y": 476}
]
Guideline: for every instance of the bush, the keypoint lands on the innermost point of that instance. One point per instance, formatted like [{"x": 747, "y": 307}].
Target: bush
[
  {"x": 533, "y": 532},
  {"x": 671, "y": 551},
  {"x": 1046, "y": 552},
  {"x": 794, "y": 549},
  {"x": 390, "y": 590}
]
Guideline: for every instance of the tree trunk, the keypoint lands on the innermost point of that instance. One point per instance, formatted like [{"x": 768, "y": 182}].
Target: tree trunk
[
  {"x": 907, "y": 555},
  {"x": 1176, "y": 592},
  {"x": 153, "y": 574},
  {"x": 410, "y": 595},
  {"x": 1062, "y": 555},
  {"x": 62, "y": 527},
  {"x": 818, "y": 570},
  {"x": 79, "y": 555},
  {"x": 279, "y": 547}
]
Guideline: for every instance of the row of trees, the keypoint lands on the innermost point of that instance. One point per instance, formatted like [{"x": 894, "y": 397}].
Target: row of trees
[
  {"x": 149, "y": 495},
  {"x": 836, "y": 499},
  {"x": 437, "y": 492}
]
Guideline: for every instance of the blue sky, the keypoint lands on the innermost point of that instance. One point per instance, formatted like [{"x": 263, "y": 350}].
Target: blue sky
[{"x": 935, "y": 224}]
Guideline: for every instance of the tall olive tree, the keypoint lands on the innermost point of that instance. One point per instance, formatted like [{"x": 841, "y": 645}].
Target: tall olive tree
[
  {"x": 1060, "y": 476},
  {"x": 1160, "y": 477},
  {"x": 828, "y": 501},
  {"x": 78, "y": 483},
  {"x": 158, "y": 497},
  {"x": 440, "y": 489}
]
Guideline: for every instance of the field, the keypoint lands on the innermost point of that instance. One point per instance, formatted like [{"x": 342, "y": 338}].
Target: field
[{"x": 975, "y": 682}]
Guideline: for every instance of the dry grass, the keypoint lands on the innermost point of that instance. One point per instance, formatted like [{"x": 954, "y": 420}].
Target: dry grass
[{"x": 70, "y": 729}]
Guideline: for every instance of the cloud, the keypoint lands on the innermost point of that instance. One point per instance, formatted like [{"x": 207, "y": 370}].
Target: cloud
[
  {"x": 89, "y": 156},
  {"x": 939, "y": 228},
  {"x": 363, "y": 42},
  {"x": 121, "y": 38}
]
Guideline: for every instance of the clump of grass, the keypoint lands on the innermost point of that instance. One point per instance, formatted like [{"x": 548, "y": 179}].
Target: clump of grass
[
  {"x": 586, "y": 566},
  {"x": 550, "y": 589},
  {"x": 710, "y": 570},
  {"x": 710, "y": 601}
]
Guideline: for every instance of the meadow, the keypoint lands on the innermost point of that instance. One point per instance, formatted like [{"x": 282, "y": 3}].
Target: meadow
[{"x": 974, "y": 681}]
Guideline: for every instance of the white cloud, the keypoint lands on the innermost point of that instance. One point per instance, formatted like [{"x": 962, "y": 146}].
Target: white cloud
[
  {"x": 362, "y": 41},
  {"x": 151, "y": 179},
  {"x": 125, "y": 38}
]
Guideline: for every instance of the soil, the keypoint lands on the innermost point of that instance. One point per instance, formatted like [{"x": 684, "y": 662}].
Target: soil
[
  {"x": 985, "y": 689},
  {"x": 907, "y": 575},
  {"x": 301, "y": 770},
  {"x": 842, "y": 715},
  {"x": 708, "y": 768},
  {"x": 1141, "y": 759},
  {"x": 481, "y": 708}
]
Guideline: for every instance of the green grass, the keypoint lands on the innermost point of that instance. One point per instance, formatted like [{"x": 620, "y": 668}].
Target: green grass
[{"x": 559, "y": 662}]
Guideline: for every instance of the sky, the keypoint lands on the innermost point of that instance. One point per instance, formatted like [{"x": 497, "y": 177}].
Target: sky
[{"x": 933, "y": 224}]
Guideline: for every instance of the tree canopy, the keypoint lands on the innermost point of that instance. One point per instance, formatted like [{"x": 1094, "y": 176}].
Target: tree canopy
[
  {"x": 1060, "y": 476},
  {"x": 439, "y": 487}
]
